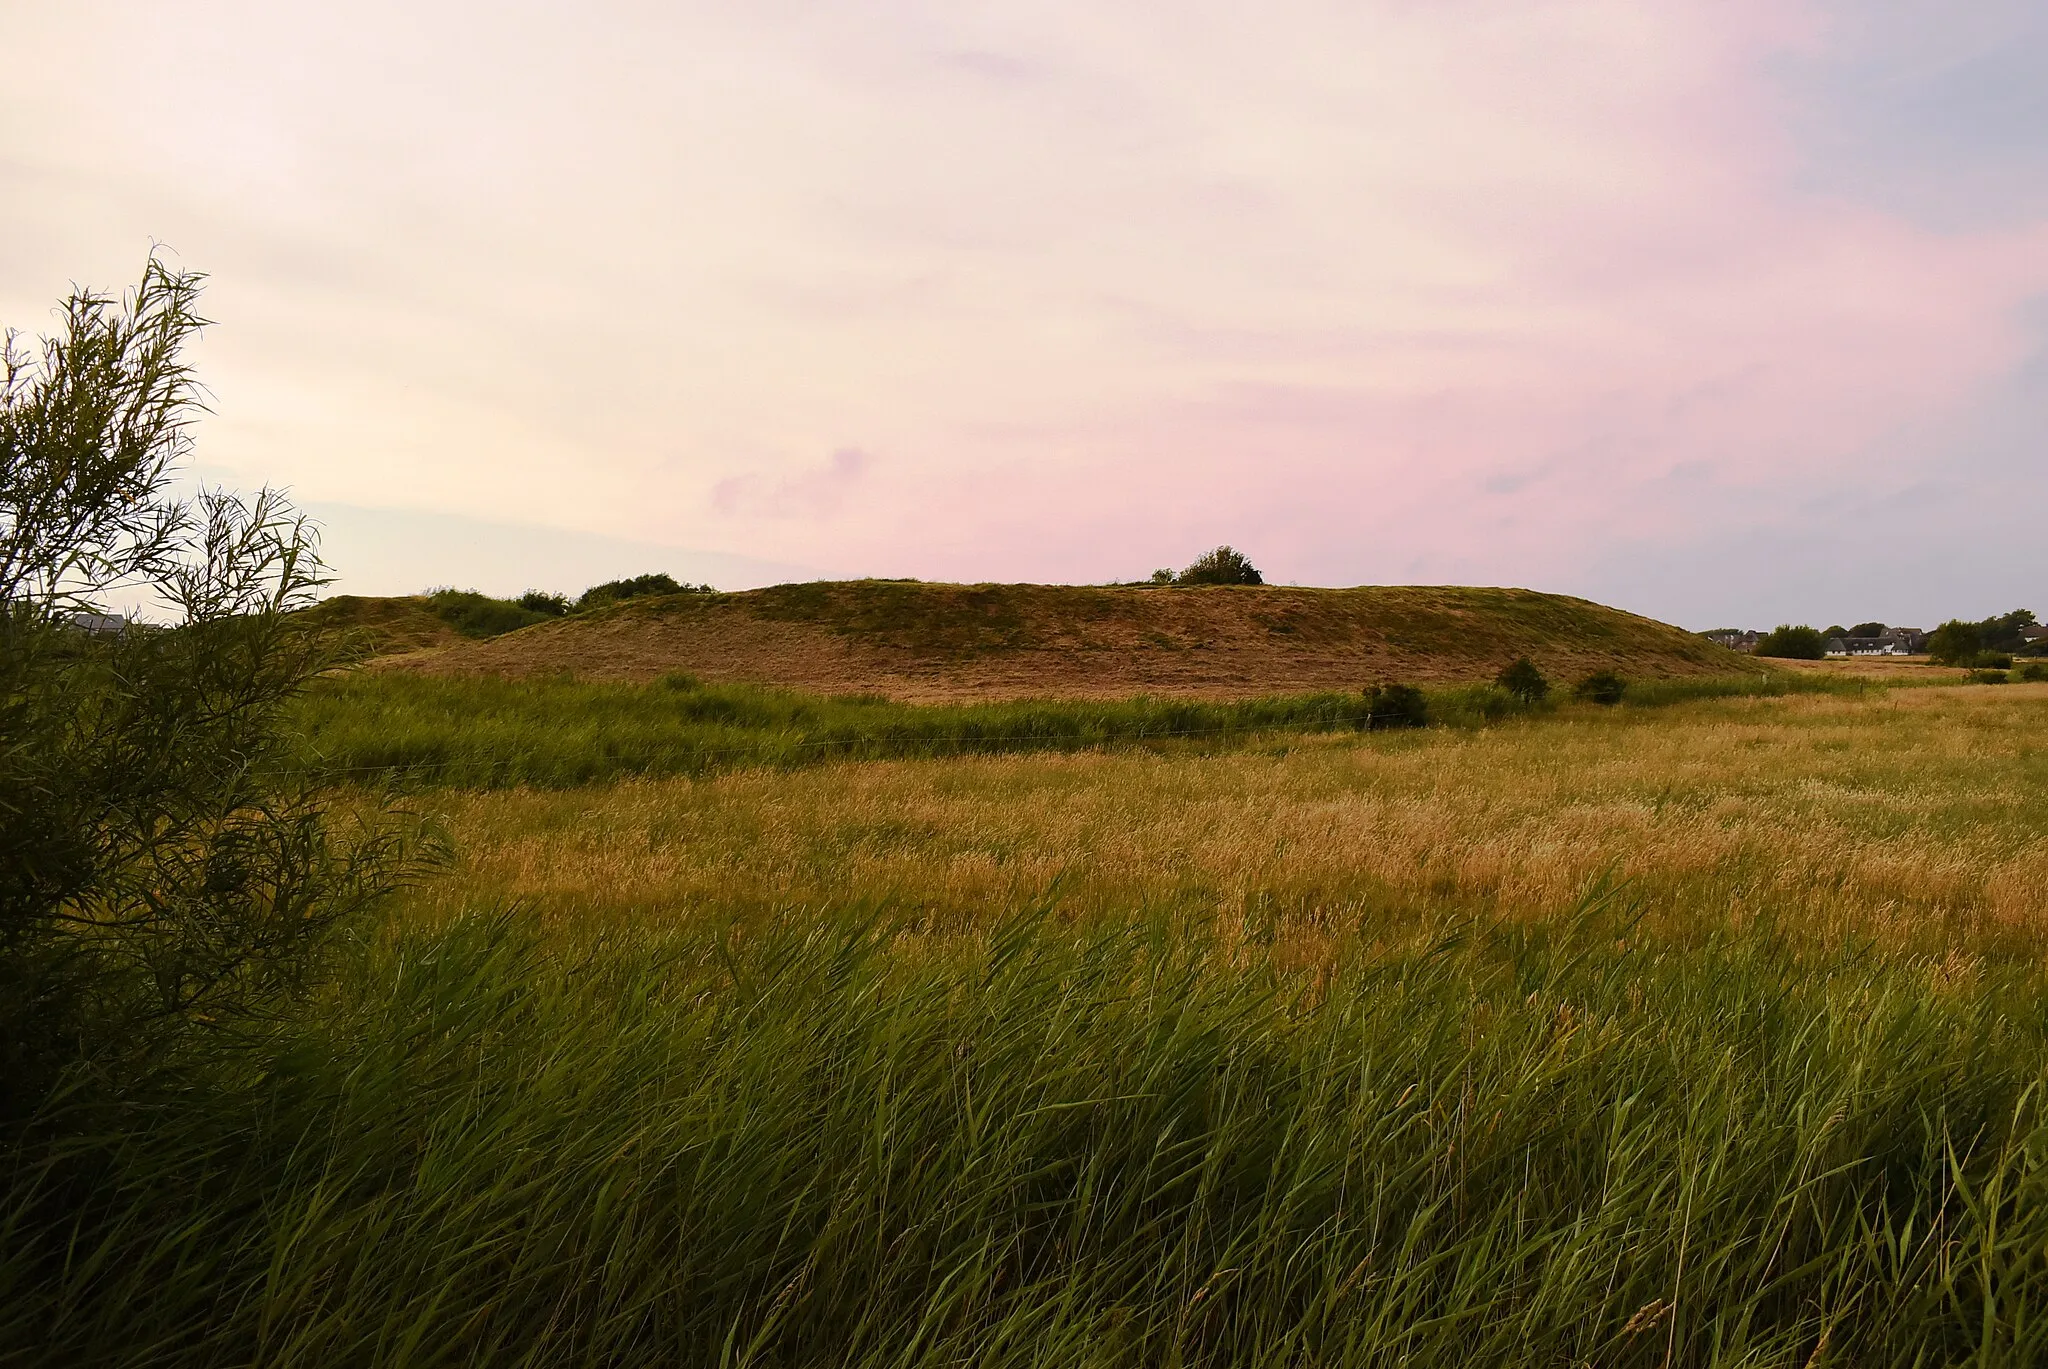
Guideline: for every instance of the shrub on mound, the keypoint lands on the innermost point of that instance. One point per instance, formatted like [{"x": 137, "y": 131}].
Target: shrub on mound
[
  {"x": 639, "y": 587},
  {"x": 549, "y": 605},
  {"x": 1524, "y": 681},
  {"x": 479, "y": 615},
  {"x": 1223, "y": 566},
  {"x": 1395, "y": 705},
  {"x": 1601, "y": 687}
]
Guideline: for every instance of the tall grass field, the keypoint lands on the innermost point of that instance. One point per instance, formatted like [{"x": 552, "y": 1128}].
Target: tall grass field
[
  {"x": 1696, "y": 1031},
  {"x": 489, "y": 732}
]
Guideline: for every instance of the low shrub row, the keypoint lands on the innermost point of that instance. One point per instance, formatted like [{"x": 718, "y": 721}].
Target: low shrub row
[
  {"x": 474, "y": 614},
  {"x": 487, "y": 733}
]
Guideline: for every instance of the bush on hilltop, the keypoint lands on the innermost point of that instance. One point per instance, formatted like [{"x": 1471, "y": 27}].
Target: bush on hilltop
[
  {"x": 1223, "y": 566},
  {"x": 638, "y": 587}
]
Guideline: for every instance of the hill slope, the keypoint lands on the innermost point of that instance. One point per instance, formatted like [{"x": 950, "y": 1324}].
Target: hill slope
[
  {"x": 925, "y": 642},
  {"x": 386, "y": 626}
]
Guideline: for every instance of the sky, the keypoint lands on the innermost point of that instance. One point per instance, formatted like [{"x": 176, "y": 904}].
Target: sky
[{"x": 1729, "y": 312}]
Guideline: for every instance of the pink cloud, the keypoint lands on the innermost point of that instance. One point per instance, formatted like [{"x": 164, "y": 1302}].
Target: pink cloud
[{"x": 1452, "y": 290}]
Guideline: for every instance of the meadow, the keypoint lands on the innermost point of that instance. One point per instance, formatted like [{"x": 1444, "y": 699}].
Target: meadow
[
  {"x": 1700, "y": 1030},
  {"x": 554, "y": 732}
]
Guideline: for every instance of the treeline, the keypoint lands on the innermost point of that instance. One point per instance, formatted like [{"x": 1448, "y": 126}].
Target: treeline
[{"x": 1989, "y": 644}]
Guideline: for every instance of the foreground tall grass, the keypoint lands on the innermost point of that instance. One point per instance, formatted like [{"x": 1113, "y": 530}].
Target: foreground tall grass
[
  {"x": 1140, "y": 1144},
  {"x": 486, "y": 732}
]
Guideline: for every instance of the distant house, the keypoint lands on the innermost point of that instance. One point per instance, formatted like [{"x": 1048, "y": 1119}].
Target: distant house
[
  {"x": 1893, "y": 641},
  {"x": 1905, "y": 641},
  {"x": 1735, "y": 639},
  {"x": 98, "y": 624}
]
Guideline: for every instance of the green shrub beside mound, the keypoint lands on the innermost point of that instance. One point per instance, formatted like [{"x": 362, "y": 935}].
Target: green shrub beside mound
[
  {"x": 1601, "y": 687},
  {"x": 1789, "y": 643},
  {"x": 1395, "y": 705},
  {"x": 1524, "y": 681},
  {"x": 2031, "y": 672},
  {"x": 1988, "y": 677}
]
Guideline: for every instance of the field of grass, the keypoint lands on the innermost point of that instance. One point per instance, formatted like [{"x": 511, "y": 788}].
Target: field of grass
[
  {"x": 1910, "y": 817},
  {"x": 482, "y": 732},
  {"x": 1713, "y": 1033}
]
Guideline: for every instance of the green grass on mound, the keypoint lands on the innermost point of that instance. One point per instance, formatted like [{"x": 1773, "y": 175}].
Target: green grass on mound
[
  {"x": 1070, "y": 1146},
  {"x": 484, "y": 732}
]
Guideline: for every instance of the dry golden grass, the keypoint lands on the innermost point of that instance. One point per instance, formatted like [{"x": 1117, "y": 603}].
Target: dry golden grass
[{"x": 1914, "y": 817}]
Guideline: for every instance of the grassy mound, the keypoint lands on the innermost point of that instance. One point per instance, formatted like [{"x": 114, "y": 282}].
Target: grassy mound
[{"x": 942, "y": 642}]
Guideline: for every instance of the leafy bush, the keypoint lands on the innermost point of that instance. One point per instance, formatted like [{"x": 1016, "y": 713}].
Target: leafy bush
[
  {"x": 1601, "y": 687},
  {"x": 1790, "y": 643},
  {"x": 1395, "y": 705},
  {"x": 479, "y": 615},
  {"x": 639, "y": 587},
  {"x": 1524, "y": 681},
  {"x": 545, "y": 604},
  {"x": 1990, "y": 660},
  {"x": 1954, "y": 642},
  {"x": 1987, "y": 677},
  {"x": 1959, "y": 642},
  {"x": 160, "y": 870},
  {"x": 2031, "y": 672},
  {"x": 1223, "y": 566}
]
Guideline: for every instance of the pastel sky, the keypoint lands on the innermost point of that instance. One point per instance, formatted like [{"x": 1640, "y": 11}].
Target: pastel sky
[{"x": 1726, "y": 311}]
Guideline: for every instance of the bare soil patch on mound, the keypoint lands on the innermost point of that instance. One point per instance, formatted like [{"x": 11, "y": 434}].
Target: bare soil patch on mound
[{"x": 940, "y": 643}]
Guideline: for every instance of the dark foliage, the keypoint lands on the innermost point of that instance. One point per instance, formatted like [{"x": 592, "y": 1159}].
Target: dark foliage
[
  {"x": 1390, "y": 706},
  {"x": 639, "y": 587},
  {"x": 1524, "y": 681},
  {"x": 1867, "y": 630},
  {"x": 159, "y": 871},
  {"x": 479, "y": 615},
  {"x": 1223, "y": 566},
  {"x": 1601, "y": 687},
  {"x": 1954, "y": 642},
  {"x": 1792, "y": 643},
  {"x": 545, "y": 604},
  {"x": 1959, "y": 642}
]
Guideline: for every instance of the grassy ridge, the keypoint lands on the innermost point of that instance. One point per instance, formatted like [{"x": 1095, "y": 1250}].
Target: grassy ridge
[
  {"x": 1109, "y": 1145},
  {"x": 483, "y": 732}
]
